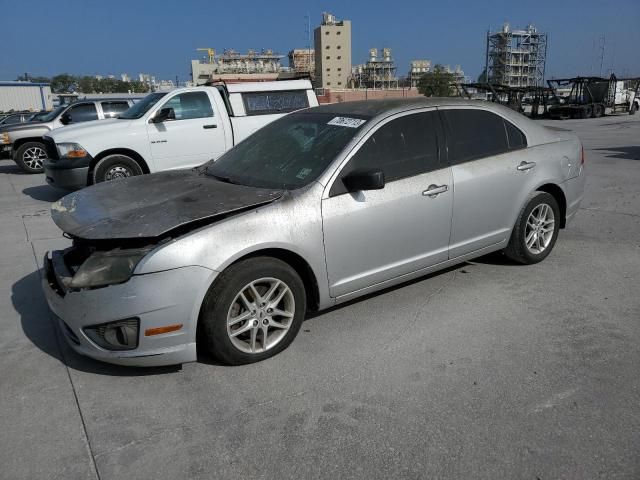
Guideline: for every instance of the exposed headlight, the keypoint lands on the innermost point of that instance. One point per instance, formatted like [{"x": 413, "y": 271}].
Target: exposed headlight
[
  {"x": 120, "y": 335},
  {"x": 4, "y": 138},
  {"x": 107, "y": 268},
  {"x": 71, "y": 150}
]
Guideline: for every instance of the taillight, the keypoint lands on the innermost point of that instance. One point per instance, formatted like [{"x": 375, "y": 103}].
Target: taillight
[{"x": 582, "y": 157}]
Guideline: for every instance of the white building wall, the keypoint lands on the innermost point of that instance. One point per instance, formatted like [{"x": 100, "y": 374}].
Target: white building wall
[{"x": 16, "y": 96}]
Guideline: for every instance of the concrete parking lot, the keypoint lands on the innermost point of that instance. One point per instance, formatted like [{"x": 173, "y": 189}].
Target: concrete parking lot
[{"x": 488, "y": 370}]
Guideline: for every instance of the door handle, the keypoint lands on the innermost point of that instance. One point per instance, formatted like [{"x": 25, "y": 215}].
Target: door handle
[
  {"x": 434, "y": 190},
  {"x": 210, "y": 126},
  {"x": 526, "y": 166}
]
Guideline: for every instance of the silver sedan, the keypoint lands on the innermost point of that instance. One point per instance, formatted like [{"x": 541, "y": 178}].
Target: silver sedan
[{"x": 320, "y": 207}]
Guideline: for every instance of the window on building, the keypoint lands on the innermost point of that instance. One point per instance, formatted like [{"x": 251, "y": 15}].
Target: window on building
[
  {"x": 339, "y": 69},
  {"x": 327, "y": 47},
  {"x": 326, "y": 32},
  {"x": 339, "y": 83},
  {"x": 328, "y": 57},
  {"x": 338, "y": 47},
  {"x": 328, "y": 83},
  {"x": 328, "y": 69},
  {"x": 339, "y": 57},
  {"x": 338, "y": 32}
]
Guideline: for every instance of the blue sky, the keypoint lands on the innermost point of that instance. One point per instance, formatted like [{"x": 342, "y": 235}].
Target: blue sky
[{"x": 44, "y": 37}]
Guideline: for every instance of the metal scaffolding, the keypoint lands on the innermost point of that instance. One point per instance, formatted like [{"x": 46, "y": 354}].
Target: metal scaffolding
[
  {"x": 377, "y": 73},
  {"x": 516, "y": 58}
]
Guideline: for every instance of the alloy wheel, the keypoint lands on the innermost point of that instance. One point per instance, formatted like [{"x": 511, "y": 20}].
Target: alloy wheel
[
  {"x": 260, "y": 315},
  {"x": 33, "y": 157},
  {"x": 539, "y": 229}
]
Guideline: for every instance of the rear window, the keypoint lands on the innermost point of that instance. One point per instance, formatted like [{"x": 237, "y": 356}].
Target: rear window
[
  {"x": 264, "y": 103},
  {"x": 474, "y": 134}
]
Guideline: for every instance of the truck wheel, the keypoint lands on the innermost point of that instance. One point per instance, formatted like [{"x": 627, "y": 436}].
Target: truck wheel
[
  {"x": 598, "y": 111},
  {"x": 114, "y": 167},
  {"x": 30, "y": 157},
  {"x": 633, "y": 109},
  {"x": 585, "y": 112}
]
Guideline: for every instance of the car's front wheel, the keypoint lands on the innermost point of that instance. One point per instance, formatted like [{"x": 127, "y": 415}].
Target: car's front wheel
[
  {"x": 30, "y": 157},
  {"x": 253, "y": 311},
  {"x": 536, "y": 229},
  {"x": 115, "y": 167}
]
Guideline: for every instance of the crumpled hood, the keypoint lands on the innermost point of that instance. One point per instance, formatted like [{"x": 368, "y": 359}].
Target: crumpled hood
[{"x": 152, "y": 205}]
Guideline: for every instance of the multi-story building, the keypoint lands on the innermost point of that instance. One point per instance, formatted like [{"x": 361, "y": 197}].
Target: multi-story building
[
  {"x": 303, "y": 61},
  {"x": 332, "y": 42}
]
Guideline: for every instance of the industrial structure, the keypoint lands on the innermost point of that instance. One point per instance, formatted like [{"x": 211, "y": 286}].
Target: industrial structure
[
  {"x": 377, "y": 73},
  {"x": 332, "y": 42},
  {"x": 416, "y": 70},
  {"x": 264, "y": 64},
  {"x": 303, "y": 61},
  {"x": 516, "y": 58}
]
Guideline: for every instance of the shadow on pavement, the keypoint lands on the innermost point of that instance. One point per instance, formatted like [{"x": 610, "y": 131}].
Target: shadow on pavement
[
  {"x": 45, "y": 193},
  {"x": 39, "y": 325},
  {"x": 11, "y": 167},
  {"x": 625, "y": 153}
]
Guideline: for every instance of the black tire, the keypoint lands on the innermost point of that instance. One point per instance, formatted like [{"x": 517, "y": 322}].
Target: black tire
[
  {"x": 30, "y": 156},
  {"x": 598, "y": 111},
  {"x": 113, "y": 167},
  {"x": 220, "y": 299},
  {"x": 517, "y": 249},
  {"x": 586, "y": 112},
  {"x": 633, "y": 109}
]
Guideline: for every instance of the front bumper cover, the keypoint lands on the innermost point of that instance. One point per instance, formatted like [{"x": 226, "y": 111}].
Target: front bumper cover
[
  {"x": 157, "y": 299},
  {"x": 67, "y": 174}
]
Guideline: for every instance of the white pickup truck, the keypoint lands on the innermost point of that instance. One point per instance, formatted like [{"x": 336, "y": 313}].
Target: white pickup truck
[{"x": 183, "y": 128}]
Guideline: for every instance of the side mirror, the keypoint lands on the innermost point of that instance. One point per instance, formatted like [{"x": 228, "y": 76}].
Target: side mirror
[
  {"x": 65, "y": 118},
  {"x": 164, "y": 114},
  {"x": 364, "y": 180}
]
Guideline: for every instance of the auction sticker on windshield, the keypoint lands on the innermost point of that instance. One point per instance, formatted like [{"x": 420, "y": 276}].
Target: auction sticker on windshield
[{"x": 346, "y": 122}]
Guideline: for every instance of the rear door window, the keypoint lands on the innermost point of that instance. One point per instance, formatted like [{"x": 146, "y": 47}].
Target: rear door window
[
  {"x": 190, "y": 105},
  {"x": 473, "y": 134},
  {"x": 83, "y": 113},
  {"x": 401, "y": 148},
  {"x": 515, "y": 137},
  {"x": 113, "y": 109},
  {"x": 264, "y": 103}
]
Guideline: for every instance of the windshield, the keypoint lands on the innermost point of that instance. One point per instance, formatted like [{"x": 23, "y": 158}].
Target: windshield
[
  {"x": 52, "y": 114},
  {"x": 288, "y": 153},
  {"x": 142, "y": 107}
]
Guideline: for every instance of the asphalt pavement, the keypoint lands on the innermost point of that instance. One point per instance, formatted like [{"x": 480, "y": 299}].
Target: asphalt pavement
[{"x": 488, "y": 370}]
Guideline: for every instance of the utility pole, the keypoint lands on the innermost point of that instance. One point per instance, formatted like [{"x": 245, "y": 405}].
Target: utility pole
[{"x": 602, "y": 47}]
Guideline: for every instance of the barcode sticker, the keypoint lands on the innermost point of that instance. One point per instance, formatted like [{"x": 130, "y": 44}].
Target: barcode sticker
[{"x": 346, "y": 122}]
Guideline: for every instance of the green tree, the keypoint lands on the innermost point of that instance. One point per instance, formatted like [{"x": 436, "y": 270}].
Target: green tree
[
  {"x": 28, "y": 78},
  {"x": 63, "y": 83},
  {"x": 138, "y": 87},
  {"x": 437, "y": 83},
  {"x": 86, "y": 84}
]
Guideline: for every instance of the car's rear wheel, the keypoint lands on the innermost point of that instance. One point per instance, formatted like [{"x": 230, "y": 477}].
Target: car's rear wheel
[
  {"x": 115, "y": 167},
  {"x": 30, "y": 157},
  {"x": 536, "y": 230},
  {"x": 253, "y": 311}
]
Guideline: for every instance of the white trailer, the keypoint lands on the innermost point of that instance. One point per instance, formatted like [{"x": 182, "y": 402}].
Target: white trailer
[{"x": 18, "y": 96}]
